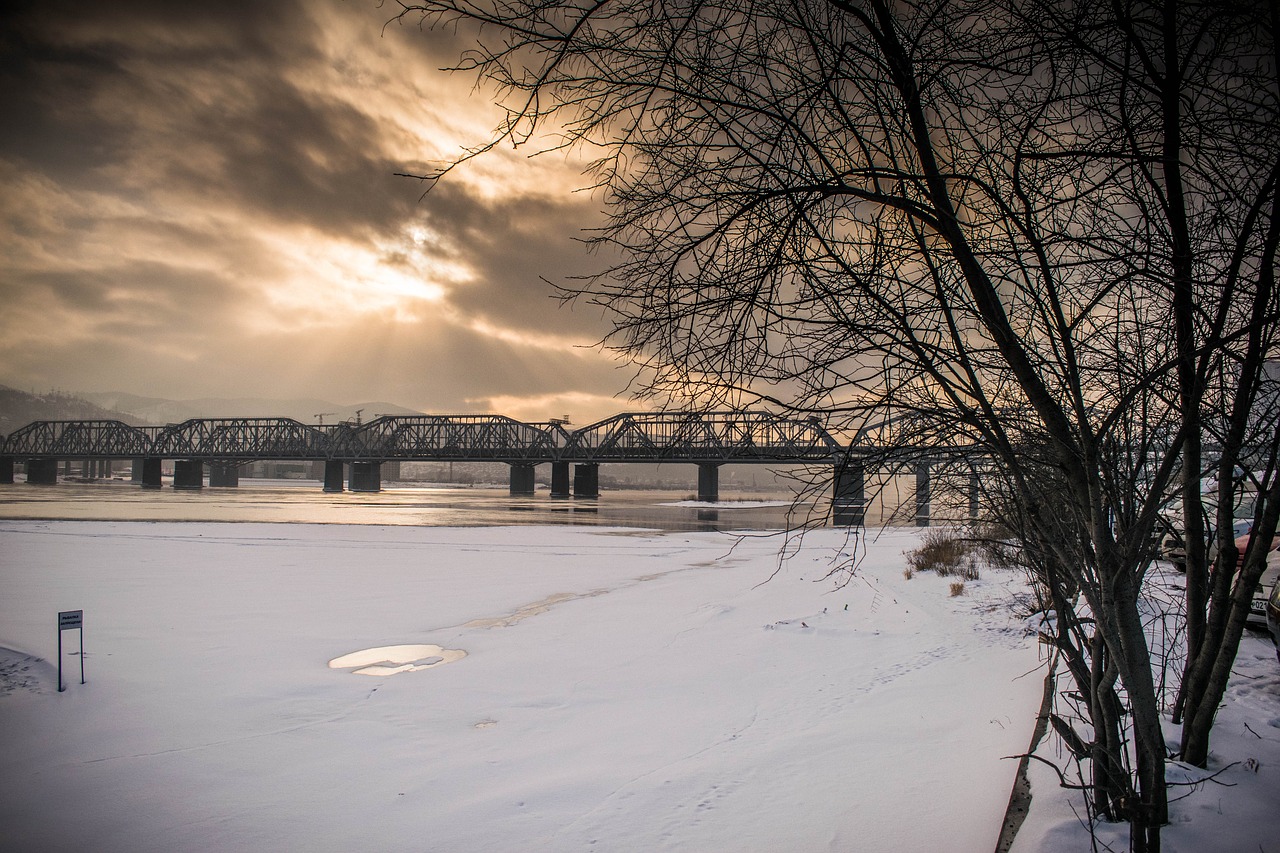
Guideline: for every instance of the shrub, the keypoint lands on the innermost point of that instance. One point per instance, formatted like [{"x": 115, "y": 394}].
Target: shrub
[{"x": 957, "y": 588}]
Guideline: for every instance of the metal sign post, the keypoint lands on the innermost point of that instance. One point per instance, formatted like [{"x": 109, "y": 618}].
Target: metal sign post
[{"x": 68, "y": 619}]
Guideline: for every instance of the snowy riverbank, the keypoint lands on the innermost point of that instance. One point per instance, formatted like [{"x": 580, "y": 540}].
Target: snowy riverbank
[
  {"x": 592, "y": 688},
  {"x": 620, "y": 690}
]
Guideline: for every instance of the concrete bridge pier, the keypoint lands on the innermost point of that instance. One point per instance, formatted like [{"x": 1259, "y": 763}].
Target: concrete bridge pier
[
  {"x": 708, "y": 481},
  {"x": 522, "y": 479},
  {"x": 848, "y": 494},
  {"x": 188, "y": 474},
  {"x": 6, "y": 470},
  {"x": 224, "y": 474},
  {"x": 975, "y": 495},
  {"x": 42, "y": 472},
  {"x": 923, "y": 501},
  {"x": 586, "y": 480},
  {"x": 559, "y": 479},
  {"x": 366, "y": 477},
  {"x": 147, "y": 472},
  {"x": 333, "y": 479}
]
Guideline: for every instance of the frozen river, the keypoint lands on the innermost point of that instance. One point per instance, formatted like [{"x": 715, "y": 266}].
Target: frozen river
[{"x": 303, "y": 501}]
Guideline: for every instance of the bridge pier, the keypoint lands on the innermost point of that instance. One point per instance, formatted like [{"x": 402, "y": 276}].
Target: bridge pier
[
  {"x": 922, "y": 494},
  {"x": 848, "y": 496},
  {"x": 366, "y": 477},
  {"x": 559, "y": 479},
  {"x": 333, "y": 475},
  {"x": 188, "y": 474},
  {"x": 522, "y": 482},
  {"x": 42, "y": 472},
  {"x": 6, "y": 470},
  {"x": 224, "y": 474},
  {"x": 586, "y": 480},
  {"x": 975, "y": 495},
  {"x": 708, "y": 481},
  {"x": 150, "y": 473}
]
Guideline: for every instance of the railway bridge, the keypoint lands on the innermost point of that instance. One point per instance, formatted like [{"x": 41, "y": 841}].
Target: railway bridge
[{"x": 355, "y": 452}]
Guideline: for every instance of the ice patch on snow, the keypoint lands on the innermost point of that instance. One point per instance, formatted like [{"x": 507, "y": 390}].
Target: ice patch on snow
[{"x": 391, "y": 660}]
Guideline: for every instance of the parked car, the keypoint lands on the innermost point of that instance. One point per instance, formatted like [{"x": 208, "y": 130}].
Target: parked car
[
  {"x": 1266, "y": 584},
  {"x": 1273, "y": 616},
  {"x": 1174, "y": 549},
  {"x": 1258, "y": 606}
]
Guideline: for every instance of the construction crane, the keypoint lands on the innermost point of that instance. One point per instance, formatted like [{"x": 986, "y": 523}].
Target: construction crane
[{"x": 320, "y": 416}]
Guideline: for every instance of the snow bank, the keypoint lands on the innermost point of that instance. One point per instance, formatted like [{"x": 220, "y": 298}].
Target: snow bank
[{"x": 619, "y": 691}]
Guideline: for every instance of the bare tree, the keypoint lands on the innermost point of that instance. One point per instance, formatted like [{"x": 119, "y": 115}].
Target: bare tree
[{"x": 1042, "y": 232}]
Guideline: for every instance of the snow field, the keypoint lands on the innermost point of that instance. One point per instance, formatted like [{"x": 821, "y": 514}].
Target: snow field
[{"x": 620, "y": 690}]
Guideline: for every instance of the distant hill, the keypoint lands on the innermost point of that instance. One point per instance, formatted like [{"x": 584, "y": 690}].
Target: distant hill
[
  {"x": 161, "y": 411},
  {"x": 18, "y": 408}
]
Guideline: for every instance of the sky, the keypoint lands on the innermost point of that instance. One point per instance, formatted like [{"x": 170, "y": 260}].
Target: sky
[{"x": 200, "y": 200}]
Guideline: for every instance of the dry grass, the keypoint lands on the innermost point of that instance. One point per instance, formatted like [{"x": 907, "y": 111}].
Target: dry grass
[
  {"x": 943, "y": 552},
  {"x": 957, "y": 588}
]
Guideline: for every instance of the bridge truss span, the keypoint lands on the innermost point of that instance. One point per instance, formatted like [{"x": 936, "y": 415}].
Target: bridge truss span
[
  {"x": 97, "y": 439},
  {"x": 476, "y": 438},
  {"x": 702, "y": 437},
  {"x": 239, "y": 439}
]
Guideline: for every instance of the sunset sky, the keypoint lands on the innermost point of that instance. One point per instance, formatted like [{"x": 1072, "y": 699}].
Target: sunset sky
[{"x": 199, "y": 200}]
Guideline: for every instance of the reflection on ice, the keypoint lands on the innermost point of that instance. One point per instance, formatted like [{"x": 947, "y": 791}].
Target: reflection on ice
[{"x": 389, "y": 660}]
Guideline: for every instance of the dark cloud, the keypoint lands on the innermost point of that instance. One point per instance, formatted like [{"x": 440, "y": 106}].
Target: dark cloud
[
  {"x": 197, "y": 101},
  {"x": 523, "y": 245}
]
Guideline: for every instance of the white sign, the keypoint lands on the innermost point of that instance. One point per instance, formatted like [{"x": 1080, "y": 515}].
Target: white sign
[{"x": 68, "y": 619}]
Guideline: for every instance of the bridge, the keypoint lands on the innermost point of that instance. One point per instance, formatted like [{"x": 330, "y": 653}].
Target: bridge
[{"x": 355, "y": 452}]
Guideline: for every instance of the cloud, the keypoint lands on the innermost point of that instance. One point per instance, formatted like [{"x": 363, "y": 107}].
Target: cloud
[{"x": 201, "y": 200}]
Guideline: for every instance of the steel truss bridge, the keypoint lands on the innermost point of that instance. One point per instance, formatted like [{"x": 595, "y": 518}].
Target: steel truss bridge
[
  {"x": 702, "y": 437},
  {"x": 356, "y": 452}
]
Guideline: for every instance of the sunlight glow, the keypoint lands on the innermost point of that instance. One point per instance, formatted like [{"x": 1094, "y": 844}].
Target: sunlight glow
[
  {"x": 582, "y": 408},
  {"x": 555, "y": 343},
  {"x": 328, "y": 283}
]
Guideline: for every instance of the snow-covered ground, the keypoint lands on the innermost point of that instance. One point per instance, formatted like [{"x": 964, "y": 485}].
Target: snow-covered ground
[
  {"x": 1232, "y": 805},
  {"x": 574, "y": 689},
  {"x": 619, "y": 691}
]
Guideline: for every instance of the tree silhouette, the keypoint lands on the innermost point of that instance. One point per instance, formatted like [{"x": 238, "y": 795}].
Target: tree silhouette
[{"x": 1042, "y": 232}]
